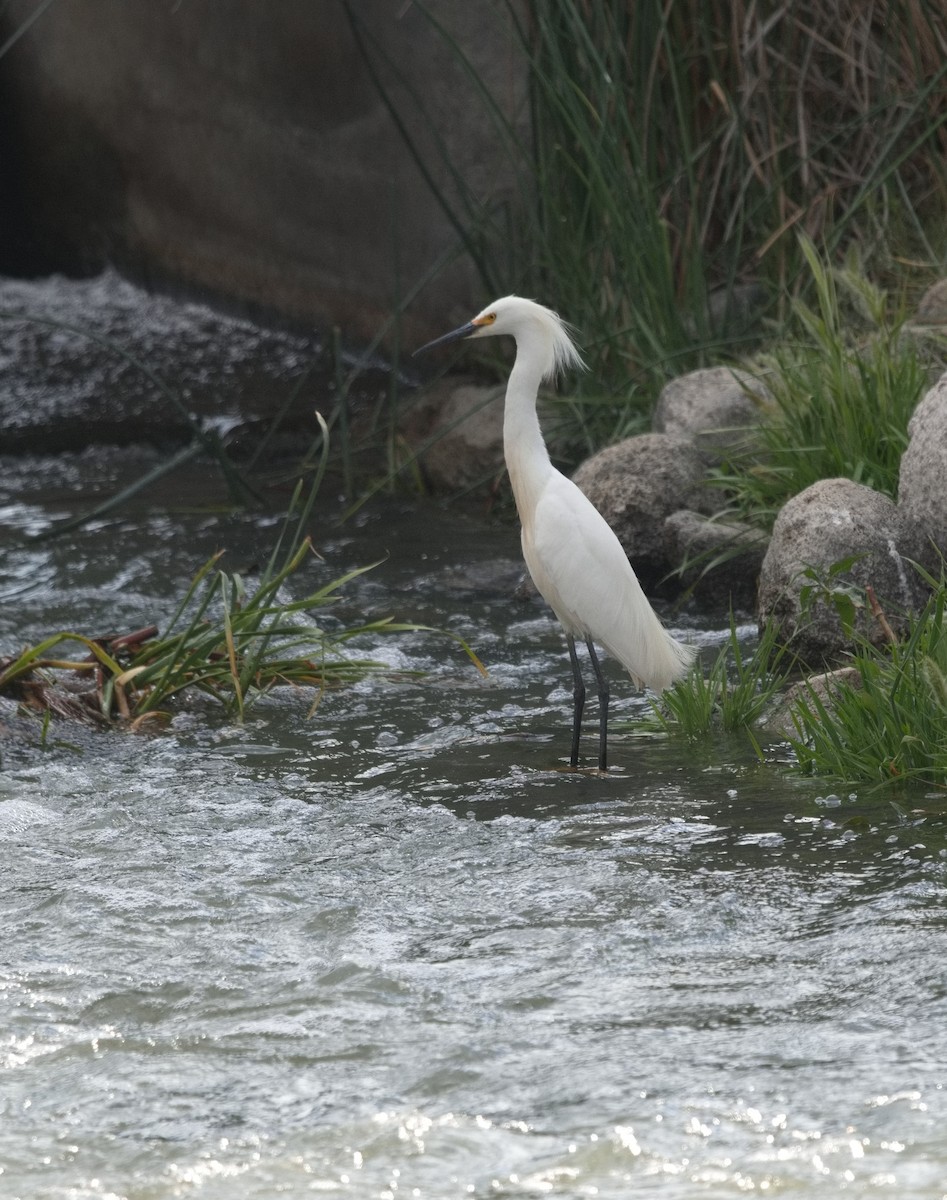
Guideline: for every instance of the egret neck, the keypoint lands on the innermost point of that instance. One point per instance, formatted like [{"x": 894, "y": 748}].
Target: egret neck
[{"x": 527, "y": 458}]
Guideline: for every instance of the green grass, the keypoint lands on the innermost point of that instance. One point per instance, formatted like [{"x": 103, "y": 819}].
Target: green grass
[
  {"x": 889, "y": 729},
  {"x": 892, "y": 729},
  {"x": 843, "y": 391},
  {"x": 730, "y": 696}
]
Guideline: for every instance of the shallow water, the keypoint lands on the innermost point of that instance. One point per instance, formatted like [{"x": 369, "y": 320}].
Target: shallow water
[{"x": 395, "y": 950}]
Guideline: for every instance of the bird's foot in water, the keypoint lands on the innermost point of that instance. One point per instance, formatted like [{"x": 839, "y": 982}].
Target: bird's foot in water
[{"x": 570, "y": 769}]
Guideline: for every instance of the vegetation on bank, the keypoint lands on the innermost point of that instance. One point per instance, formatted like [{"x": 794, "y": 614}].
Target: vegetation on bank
[
  {"x": 681, "y": 148},
  {"x": 843, "y": 385},
  {"x": 668, "y": 157},
  {"x": 887, "y": 723},
  {"x": 880, "y": 721}
]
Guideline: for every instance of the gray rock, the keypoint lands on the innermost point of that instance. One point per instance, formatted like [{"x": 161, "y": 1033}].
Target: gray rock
[
  {"x": 827, "y": 523},
  {"x": 721, "y": 560},
  {"x": 637, "y": 484},
  {"x": 466, "y": 439},
  {"x": 922, "y": 489},
  {"x": 248, "y": 148},
  {"x": 718, "y": 408},
  {"x": 824, "y": 687},
  {"x": 932, "y": 306},
  {"x": 737, "y": 309}
]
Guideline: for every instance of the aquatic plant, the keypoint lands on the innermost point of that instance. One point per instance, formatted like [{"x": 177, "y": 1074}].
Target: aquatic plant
[{"x": 226, "y": 639}]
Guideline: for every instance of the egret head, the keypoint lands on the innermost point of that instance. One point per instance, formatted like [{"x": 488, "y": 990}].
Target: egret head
[{"x": 534, "y": 327}]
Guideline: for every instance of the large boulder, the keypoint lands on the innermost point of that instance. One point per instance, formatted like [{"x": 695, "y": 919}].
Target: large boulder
[
  {"x": 719, "y": 560},
  {"x": 250, "y": 150},
  {"x": 823, "y": 688},
  {"x": 922, "y": 490},
  {"x": 717, "y": 408},
  {"x": 636, "y": 484},
  {"x": 458, "y": 435},
  {"x": 802, "y": 583}
]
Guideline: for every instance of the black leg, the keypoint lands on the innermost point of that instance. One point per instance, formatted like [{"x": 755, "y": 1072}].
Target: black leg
[
  {"x": 602, "y": 707},
  {"x": 578, "y": 700}
]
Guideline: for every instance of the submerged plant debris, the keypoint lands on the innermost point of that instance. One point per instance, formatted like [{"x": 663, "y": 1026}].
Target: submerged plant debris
[{"x": 224, "y": 641}]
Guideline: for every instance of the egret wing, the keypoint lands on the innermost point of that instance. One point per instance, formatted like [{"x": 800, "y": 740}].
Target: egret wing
[{"x": 580, "y": 567}]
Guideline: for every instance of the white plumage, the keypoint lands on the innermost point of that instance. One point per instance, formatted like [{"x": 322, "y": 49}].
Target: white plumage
[{"x": 573, "y": 556}]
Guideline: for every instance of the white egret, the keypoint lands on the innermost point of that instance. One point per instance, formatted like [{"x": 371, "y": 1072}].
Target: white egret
[{"x": 573, "y": 555}]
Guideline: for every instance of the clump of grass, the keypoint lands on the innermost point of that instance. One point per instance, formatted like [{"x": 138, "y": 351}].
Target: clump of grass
[
  {"x": 226, "y": 640},
  {"x": 890, "y": 727},
  {"x": 731, "y": 696},
  {"x": 842, "y": 395}
]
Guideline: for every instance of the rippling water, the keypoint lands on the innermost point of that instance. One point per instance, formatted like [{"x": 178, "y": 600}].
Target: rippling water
[{"x": 396, "y": 951}]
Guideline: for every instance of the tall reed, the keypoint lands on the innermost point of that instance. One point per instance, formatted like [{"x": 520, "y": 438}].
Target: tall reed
[
  {"x": 675, "y": 149},
  {"x": 681, "y": 146}
]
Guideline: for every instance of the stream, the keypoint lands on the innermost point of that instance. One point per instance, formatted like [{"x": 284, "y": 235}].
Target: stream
[{"x": 393, "y": 949}]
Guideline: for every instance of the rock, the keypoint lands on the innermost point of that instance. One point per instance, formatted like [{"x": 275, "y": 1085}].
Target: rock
[
  {"x": 922, "y": 489},
  {"x": 466, "y": 438},
  {"x": 726, "y": 558},
  {"x": 247, "y": 150},
  {"x": 827, "y": 523},
  {"x": 737, "y": 309},
  {"x": 636, "y": 485},
  {"x": 718, "y": 408},
  {"x": 824, "y": 687},
  {"x": 932, "y": 306}
]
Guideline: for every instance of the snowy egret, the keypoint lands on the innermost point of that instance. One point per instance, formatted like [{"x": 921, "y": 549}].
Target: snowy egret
[{"x": 573, "y": 555}]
